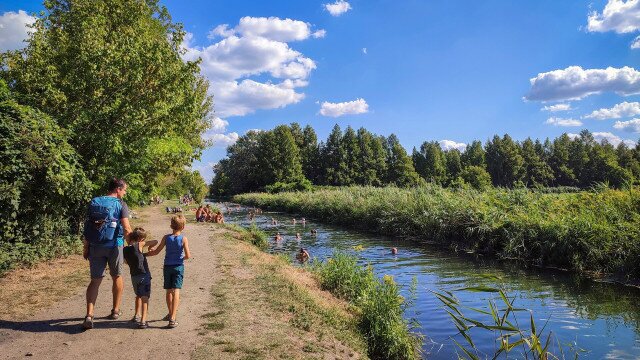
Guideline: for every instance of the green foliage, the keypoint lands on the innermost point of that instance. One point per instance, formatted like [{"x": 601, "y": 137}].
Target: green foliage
[
  {"x": 301, "y": 185},
  {"x": 594, "y": 232},
  {"x": 529, "y": 341},
  {"x": 43, "y": 189},
  {"x": 477, "y": 177},
  {"x": 111, "y": 75},
  {"x": 183, "y": 182},
  {"x": 381, "y": 307}
]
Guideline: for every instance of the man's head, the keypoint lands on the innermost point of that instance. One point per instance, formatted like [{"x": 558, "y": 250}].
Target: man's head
[{"x": 117, "y": 187}]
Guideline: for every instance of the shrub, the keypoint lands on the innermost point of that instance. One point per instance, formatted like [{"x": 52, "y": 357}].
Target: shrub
[{"x": 43, "y": 189}]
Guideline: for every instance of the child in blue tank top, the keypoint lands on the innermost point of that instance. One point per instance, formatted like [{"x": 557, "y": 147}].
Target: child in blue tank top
[{"x": 177, "y": 251}]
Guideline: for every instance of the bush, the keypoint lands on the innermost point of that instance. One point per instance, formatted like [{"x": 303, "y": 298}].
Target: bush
[
  {"x": 300, "y": 185},
  {"x": 43, "y": 189},
  {"x": 380, "y": 306}
]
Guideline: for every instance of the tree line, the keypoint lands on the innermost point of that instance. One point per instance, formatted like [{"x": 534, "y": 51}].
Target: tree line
[
  {"x": 99, "y": 91},
  {"x": 291, "y": 158}
]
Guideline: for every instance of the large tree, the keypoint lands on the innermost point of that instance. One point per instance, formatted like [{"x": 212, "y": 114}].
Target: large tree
[{"x": 111, "y": 73}]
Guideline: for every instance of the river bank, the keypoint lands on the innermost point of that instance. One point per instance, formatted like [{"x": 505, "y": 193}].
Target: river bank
[
  {"x": 238, "y": 302},
  {"x": 588, "y": 232}
]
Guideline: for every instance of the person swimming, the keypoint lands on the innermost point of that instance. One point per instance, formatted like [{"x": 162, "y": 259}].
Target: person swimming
[
  {"x": 303, "y": 255},
  {"x": 394, "y": 251},
  {"x": 298, "y": 237},
  {"x": 277, "y": 237}
]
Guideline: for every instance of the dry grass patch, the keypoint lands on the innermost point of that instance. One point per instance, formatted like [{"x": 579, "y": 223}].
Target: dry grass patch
[{"x": 26, "y": 291}]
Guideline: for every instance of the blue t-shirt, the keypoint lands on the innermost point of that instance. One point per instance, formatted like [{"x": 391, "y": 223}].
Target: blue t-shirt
[{"x": 175, "y": 252}]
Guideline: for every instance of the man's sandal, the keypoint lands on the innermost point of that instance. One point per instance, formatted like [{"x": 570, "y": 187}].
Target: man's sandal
[
  {"x": 136, "y": 319},
  {"x": 115, "y": 315},
  {"x": 88, "y": 323},
  {"x": 173, "y": 323},
  {"x": 143, "y": 325}
]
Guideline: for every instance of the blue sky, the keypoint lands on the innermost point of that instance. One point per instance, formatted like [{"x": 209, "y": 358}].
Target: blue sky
[{"x": 432, "y": 70}]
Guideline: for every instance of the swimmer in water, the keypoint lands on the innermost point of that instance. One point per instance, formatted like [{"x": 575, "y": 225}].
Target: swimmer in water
[
  {"x": 277, "y": 237},
  {"x": 298, "y": 237},
  {"x": 394, "y": 251},
  {"x": 303, "y": 255},
  {"x": 314, "y": 232}
]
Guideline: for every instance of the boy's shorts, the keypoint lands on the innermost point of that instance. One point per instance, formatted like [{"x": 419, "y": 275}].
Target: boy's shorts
[
  {"x": 173, "y": 276},
  {"x": 141, "y": 285},
  {"x": 99, "y": 257}
]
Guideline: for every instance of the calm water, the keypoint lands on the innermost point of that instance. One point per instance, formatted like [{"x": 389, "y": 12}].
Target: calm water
[{"x": 601, "y": 318}]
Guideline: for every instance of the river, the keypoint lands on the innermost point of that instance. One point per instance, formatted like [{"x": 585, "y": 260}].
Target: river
[{"x": 601, "y": 318}]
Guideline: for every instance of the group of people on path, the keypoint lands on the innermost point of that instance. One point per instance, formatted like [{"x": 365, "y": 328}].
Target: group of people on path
[{"x": 106, "y": 230}]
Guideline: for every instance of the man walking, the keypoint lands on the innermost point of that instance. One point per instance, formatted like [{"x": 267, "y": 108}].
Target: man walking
[{"x": 106, "y": 228}]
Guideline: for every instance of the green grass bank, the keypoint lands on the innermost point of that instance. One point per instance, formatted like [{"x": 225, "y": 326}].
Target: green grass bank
[{"x": 590, "y": 232}]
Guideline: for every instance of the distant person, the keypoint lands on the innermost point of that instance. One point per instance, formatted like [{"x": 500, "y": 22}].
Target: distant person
[
  {"x": 298, "y": 237},
  {"x": 314, "y": 232},
  {"x": 105, "y": 229},
  {"x": 200, "y": 216},
  {"x": 304, "y": 222},
  {"x": 277, "y": 237},
  {"x": 294, "y": 221},
  {"x": 394, "y": 251},
  {"x": 273, "y": 221},
  {"x": 302, "y": 256},
  {"x": 140, "y": 274},
  {"x": 177, "y": 251},
  {"x": 219, "y": 219}
]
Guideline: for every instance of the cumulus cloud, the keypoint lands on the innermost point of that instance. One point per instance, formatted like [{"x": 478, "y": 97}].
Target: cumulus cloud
[
  {"x": 636, "y": 43},
  {"x": 624, "y": 109},
  {"x": 217, "y": 124},
  {"x": 556, "y": 108},
  {"x": 632, "y": 125},
  {"x": 256, "y": 47},
  {"x": 450, "y": 144},
  {"x": 358, "y": 106},
  {"x": 14, "y": 29},
  {"x": 611, "y": 139},
  {"x": 205, "y": 169},
  {"x": 619, "y": 16},
  {"x": 222, "y": 140},
  {"x": 555, "y": 121},
  {"x": 575, "y": 83},
  {"x": 338, "y": 8},
  {"x": 319, "y": 33}
]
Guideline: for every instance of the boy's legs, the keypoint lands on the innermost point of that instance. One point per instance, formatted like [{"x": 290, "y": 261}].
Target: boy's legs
[
  {"x": 138, "y": 306},
  {"x": 169, "y": 301},
  {"x": 174, "y": 304},
  {"x": 144, "y": 301}
]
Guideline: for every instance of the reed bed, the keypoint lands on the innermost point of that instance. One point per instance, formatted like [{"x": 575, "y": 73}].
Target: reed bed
[{"x": 594, "y": 232}]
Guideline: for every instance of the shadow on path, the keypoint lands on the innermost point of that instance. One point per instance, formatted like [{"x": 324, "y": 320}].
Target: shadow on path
[{"x": 67, "y": 326}]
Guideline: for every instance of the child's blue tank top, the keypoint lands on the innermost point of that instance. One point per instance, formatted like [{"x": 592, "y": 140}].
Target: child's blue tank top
[{"x": 175, "y": 254}]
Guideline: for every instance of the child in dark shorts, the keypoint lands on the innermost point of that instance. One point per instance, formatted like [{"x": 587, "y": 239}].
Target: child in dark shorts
[{"x": 140, "y": 274}]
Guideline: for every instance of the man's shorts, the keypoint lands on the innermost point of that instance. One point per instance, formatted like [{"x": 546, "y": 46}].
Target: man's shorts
[
  {"x": 173, "y": 276},
  {"x": 99, "y": 257},
  {"x": 141, "y": 285}
]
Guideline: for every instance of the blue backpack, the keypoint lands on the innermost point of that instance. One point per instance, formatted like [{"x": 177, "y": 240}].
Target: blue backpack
[{"x": 102, "y": 226}]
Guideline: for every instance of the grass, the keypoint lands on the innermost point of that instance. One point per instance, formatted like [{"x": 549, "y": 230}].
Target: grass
[
  {"x": 379, "y": 303},
  {"x": 594, "y": 232}
]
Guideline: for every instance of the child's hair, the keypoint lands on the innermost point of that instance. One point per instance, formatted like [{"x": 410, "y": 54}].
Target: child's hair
[
  {"x": 177, "y": 222},
  {"x": 138, "y": 234}
]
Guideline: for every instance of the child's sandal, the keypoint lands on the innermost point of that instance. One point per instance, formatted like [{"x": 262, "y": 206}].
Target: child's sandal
[{"x": 143, "y": 325}]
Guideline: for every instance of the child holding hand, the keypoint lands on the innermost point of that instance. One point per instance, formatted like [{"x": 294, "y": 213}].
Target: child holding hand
[
  {"x": 177, "y": 251},
  {"x": 140, "y": 274}
]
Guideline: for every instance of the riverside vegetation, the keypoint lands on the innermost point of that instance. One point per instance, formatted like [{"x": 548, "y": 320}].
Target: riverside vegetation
[{"x": 591, "y": 232}]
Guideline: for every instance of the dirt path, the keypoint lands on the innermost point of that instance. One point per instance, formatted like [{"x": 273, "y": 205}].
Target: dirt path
[
  {"x": 55, "y": 333},
  {"x": 237, "y": 303}
]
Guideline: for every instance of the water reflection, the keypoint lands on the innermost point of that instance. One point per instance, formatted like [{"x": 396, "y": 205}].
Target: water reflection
[{"x": 600, "y": 317}]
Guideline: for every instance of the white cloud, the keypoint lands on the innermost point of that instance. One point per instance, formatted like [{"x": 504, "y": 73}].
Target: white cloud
[
  {"x": 450, "y": 144},
  {"x": 205, "y": 169},
  {"x": 14, "y": 29},
  {"x": 624, "y": 109},
  {"x": 632, "y": 125},
  {"x": 573, "y": 136},
  {"x": 611, "y": 139},
  {"x": 218, "y": 125},
  {"x": 364, "y": 51},
  {"x": 222, "y": 140},
  {"x": 247, "y": 96},
  {"x": 636, "y": 43},
  {"x": 619, "y": 16},
  {"x": 575, "y": 83},
  {"x": 358, "y": 106},
  {"x": 254, "y": 130},
  {"x": 556, "y": 108},
  {"x": 555, "y": 121},
  {"x": 256, "y": 47},
  {"x": 338, "y": 8},
  {"x": 319, "y": 34}
]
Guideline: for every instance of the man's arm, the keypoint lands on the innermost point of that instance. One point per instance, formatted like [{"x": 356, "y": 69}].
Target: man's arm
[
  {"x": 127, "y": 229},
  {"x": 185, "y": 246}
]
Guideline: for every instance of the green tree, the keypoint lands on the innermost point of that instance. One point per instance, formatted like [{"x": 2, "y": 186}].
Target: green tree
[
  {"x": 370, "y": 160},
  {"x": 559, "y": 162},
  {"x": 477, "y": 177},
  {"x": 110, "y": 72},
  {"x": 399, "y": 165},
  {"x": 454, "y": 165},
  {"x": 504, "y": 161},
  {"x": 473, "y": 155},
  {"x": 537, "y": 171},
  {"x": 333, "y": 158},
  {"x": 627, "y": 160},
  {"x": 310, "y": 155},
  {"x": 350, "y": 167},
  {"x": 279, "y": 157},
  {"x": 434, "y": 163}
]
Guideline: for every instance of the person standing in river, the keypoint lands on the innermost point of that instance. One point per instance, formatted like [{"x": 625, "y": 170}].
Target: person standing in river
[{"x": 106, "y": 228}]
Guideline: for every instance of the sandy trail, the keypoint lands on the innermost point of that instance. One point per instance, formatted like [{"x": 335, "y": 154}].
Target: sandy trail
[{"x": 55, "y": 332}]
